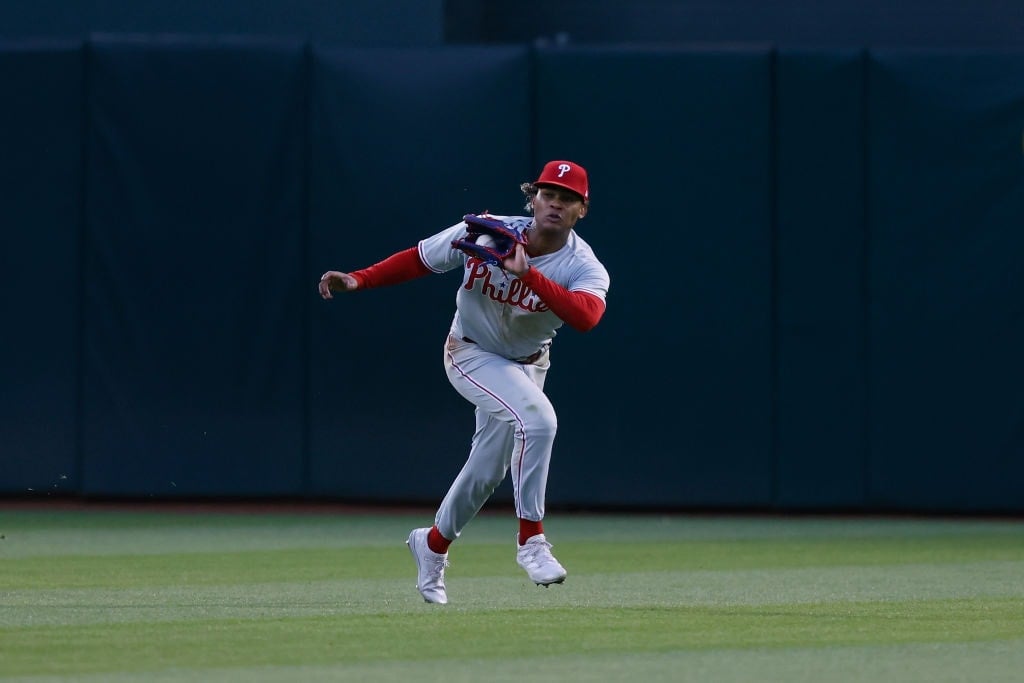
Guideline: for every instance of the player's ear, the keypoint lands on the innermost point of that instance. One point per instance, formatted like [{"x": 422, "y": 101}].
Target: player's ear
[{"x": 583, "y": 209}]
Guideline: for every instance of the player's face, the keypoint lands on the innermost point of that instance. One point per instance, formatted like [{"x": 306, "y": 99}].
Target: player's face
[{"x": 554, "y": 207}]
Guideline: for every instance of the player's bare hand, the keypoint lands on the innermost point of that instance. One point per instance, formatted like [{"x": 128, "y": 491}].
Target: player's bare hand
[
  {"x": 517, "y": 263},
  {"x": 334, "y": 281}
]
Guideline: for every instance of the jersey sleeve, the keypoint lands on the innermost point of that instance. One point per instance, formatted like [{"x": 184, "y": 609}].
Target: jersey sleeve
[
  {"x": 592, "y": 278},
  {"x": 437, "y": 253},
  {"x": 395, "y": 269},
  {"x": 581, "y": 310}
]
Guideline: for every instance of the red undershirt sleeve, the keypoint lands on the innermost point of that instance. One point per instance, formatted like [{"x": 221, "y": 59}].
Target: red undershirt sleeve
[
  {"x": 397, "y": 268},
  {"x": 579, "y": 310}
]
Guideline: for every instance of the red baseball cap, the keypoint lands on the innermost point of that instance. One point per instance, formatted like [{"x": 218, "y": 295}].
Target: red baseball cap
[{"x": 565, "y": 174}]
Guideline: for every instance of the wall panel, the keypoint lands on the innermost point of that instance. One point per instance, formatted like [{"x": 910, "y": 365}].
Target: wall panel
[
  {"x": 668, "y": 401},
  {"x": 946, "y": 201},
  {"x": 40, "y": 224},
  {"x": 194, "y": 337}
]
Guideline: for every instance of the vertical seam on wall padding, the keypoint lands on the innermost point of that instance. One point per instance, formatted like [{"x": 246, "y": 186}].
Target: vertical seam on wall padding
[
  {"x": 306, "y": 312},
  {"x": 80, "y": 323},
  {"x": 773, "y": 337},
  {"x": 533, "y": 86},
  {"x": 864, "y": 275}
]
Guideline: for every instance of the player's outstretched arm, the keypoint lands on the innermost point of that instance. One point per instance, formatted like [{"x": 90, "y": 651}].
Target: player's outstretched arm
[
  {"x": 401, "y": 267},
  {"x": 334, "y": 281}
]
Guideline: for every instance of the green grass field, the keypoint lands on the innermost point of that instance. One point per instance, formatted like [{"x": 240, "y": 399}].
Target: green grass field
[{"x": 107, "y": 595}]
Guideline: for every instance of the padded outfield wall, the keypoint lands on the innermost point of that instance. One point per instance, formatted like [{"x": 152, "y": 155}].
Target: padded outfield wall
[{"x": 815, "y": 297}]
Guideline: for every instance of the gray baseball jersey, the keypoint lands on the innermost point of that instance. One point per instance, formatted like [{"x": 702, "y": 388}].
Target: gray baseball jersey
[{"x": 494, "y": 308}]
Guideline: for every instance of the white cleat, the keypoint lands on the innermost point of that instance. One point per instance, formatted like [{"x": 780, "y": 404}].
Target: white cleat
[
  {"x": 535, "y": 557},
  {"x": 429, "y": 567}
]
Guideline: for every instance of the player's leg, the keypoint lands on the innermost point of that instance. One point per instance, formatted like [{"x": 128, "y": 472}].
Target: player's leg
[
  {"x": 514, "y": 423},
  {"x": 530, "y": 462},
  {"x": 515, "y": 427},
  {"x": 512, "y": 394},
  {"x": 484, "y": 470},
  {"x": 534, "y": 552}
]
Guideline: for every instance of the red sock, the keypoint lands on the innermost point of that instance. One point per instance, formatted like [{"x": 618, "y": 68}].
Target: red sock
[
  {"x": 437, "y": 542},
  {"x": 528, "y": 528}
]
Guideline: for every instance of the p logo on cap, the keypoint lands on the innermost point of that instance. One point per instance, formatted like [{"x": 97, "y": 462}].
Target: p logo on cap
[{"x": 565, "y": 174}]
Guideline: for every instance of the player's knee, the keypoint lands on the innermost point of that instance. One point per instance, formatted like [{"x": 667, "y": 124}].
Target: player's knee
[
  {"x": 484, "y": 483},
  {"x": 486, "y": 476},
  {"x": 542, "y": 425}
]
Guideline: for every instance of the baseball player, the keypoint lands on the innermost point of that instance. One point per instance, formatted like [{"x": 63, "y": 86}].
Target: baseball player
[{"x": 496, "y": 356}]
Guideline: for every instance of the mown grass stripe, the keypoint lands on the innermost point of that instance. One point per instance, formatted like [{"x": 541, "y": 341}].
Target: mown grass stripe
[
  {"x": 395, "y": 596},
  {"x": 444, "y": 634},
  {"x": 489, "y": 559}
]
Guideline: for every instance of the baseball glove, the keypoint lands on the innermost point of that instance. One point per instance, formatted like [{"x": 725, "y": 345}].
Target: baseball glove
[{"x": 490, "y": 239}]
